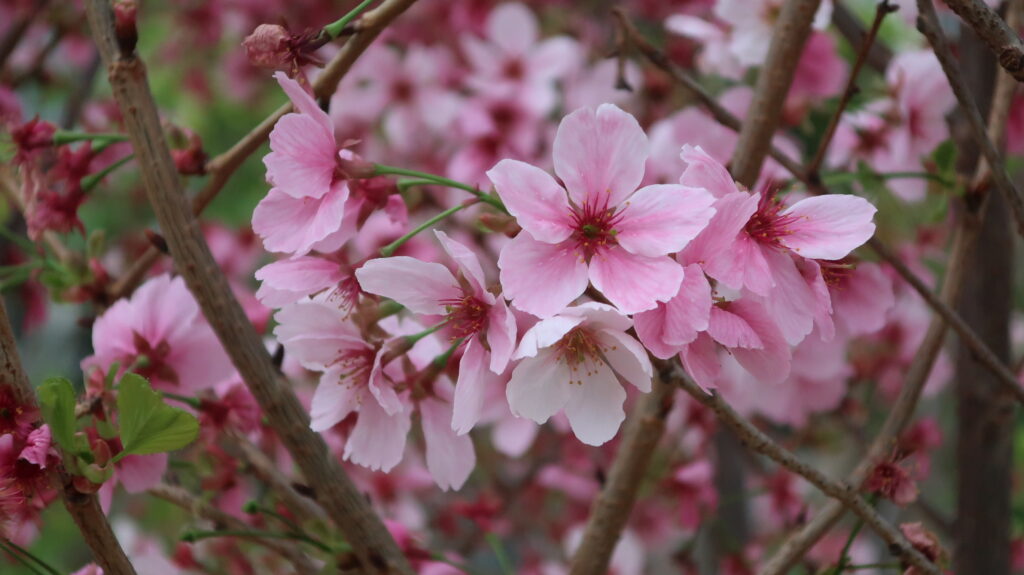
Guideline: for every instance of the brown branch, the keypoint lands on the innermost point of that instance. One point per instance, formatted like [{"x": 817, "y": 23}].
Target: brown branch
[
  {"x": 1001, "y": 39},
  {"x": 866, "y": 43},
  {"x": 792, "y": 28},
  {"x": 850, "y": 28},
  {"x": 372, "y": 544},
  {"x": 613, "y": 506},
  {"x": 203, "y": 510},
  {"x": 847, "y": 494},
  {"x": 223, "y": 166},
  {"x": 84, "y": 508},
  {"x": 301, "y": 506},
  {"x": 928, "y": 24}
]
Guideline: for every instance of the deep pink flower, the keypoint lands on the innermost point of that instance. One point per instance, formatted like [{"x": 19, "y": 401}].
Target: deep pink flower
[
  {"x": 599, "y": 228},
  {"x": 574, "y": 361},
  {"x": 160, "y": 334}
]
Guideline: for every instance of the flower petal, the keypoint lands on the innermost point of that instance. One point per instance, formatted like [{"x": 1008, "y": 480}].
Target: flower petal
[
  {"x": 595, "y": 406},
  {"x": 600, "y": 155},
  {"x": 418, "y": 285},
  {"x": 534, "y": 198},
  {"x": 501, "y": 335},
  {"x": 627, "y": 357},
  {"x": 829, "y": 227},
  {"x": 378, "y": 439},
  {"x": 288, "y": 281},
  {"x": 662, "y": 219},
  {"x": 635, "y": 283},
  {"x": 540, "y": 278},
  {"x": 539, "y": 387},
  {"x": 334, "y": 399},
  {"x": 450, "y": 457}
]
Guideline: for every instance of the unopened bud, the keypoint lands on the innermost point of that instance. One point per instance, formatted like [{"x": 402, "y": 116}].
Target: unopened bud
[
  {"x": 268, "y": 47},
  {"x": 125, "y": 12}
]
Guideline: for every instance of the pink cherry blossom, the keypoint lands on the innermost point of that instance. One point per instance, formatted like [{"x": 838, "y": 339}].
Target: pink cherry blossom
[
  {"x": 574, "y": 361},
  {"x": 473, "y": 314},
  {"x": 160, "y": 334},
  {"x": 599, "y": 228}
]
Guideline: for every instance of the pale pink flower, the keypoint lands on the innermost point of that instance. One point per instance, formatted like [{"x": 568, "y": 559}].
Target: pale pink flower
[
  {"x": 574, "y": 362},
  {"x": 511, "y": 60},
  {"x": 306, "y": 207},
  {"x": 752, "y": 23},
  {"x": 288, "y": 281},
  {"x": 472, "y": 313},
  {"x": 599, "y": 228},
  {"x": 160, "y": 334},
  {"x": 861, "y": 295}
]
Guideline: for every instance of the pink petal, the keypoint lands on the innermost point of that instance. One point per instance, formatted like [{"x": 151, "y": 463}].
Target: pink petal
[
  {"x": 501, "y": 335},
  {"x": 138, "y": 473},
  {"x": 554, "y": 58},
  {"x": 700, "y": 359},
  {"x": 450, "y": 457},
  {"x": 381, "y": 388},
  {"x": 38, "y": 446},
  {"x": 600, "y": 155},
  {"x": 513, "y": 27},
  {"x": 703, "y": 171},
  {"x": 418, "y": 285},
  {"x": 378, "y": 439},
  {"x": 287, "y": 281},
  {"x": 829, "y": 227},
  {"x": 635, "y": 283},
  {"x": 539, "y": 387},
  {"x": 315, "y": 332},
  {"x": 792, "y": 303},
  {"x": 662, "y": 219},
  {"x": 302, "y": 158},
  {"x": 290, "y": 225},
  {"x": 743, "y": 266},
  {"x": 336, "y": 396},
  {"x": 627, "y": 357},
  {"x": 863, "y": 302},
  {"x": 732, "y": 330},
  {"x": 513, "y": 436},
  {"x": 650, "y": 328},
  {"x": 199, "y": 360},
  {"x": 594, "y": 408},
  {"x": 534, "y": 198},
  {"x": 471, "y": 388},
  {"x": 771, "y": 363},
  {"x": 546, "y": 333},
  {"x": 732, "y": 212},
  {"x": 303, "y": 101},
  {"x": 671, "y": 325},
  {"x": 540, "y": 278},
  {"x": 468, "y": 264}
]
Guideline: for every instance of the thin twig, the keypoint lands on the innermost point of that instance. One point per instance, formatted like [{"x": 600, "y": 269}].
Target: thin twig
[
  {"x": 223, "y": 166},
  {"x": 850, "y": 28},
  {"x": 847, "y": 494},
  {"x": 372, "y": 544},
  {"x": 201, "y": 509},
  {"x": 613, "y": 506},
  {"x": 84, "y": 508},
  {"x": 1001, "y": 39},
  {"x": 866, "y": 43},
  {"x": 928, "y": 24},
  {"x": 791, "y": 30}
]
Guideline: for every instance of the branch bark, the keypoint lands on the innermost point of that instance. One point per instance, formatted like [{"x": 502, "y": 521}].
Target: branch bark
[
  {"x": 203, "y": 510},
  {"x": 792, "y": 29},
  {"x": 84, "y": 508},
  {"x": 611, "y": 510},
  {"x": 850, "y": 27},
  {"x": 1001, "y": 39},
  {"x": 372, "y": 544}
]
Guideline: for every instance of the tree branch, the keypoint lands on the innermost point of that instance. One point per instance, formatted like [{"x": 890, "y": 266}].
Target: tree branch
[
  {"x": 928, "y": 24},
  {"x": 847, "y": 494},
  {"x": 850, "y": 27},
  {"x": 612, "y": 508},
  {"x": 1001, "y": 39},
  {"x": 201, "y": 509},
  {"x": 790, "y": 34},
  {"x": 372, "y": 544},
  {"x": 84, "y": 508}
]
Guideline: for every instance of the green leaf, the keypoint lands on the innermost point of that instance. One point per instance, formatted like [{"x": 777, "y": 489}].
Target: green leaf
[
  {"x": 57, "y": 402},
  {"x": 148, "y": 425},
  {"x": 945, "y": 157}
]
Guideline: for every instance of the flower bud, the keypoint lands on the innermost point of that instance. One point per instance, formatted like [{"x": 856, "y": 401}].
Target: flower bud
[
  {"x": 125, "y": 12},
  {"x": 268, "y": 47}
]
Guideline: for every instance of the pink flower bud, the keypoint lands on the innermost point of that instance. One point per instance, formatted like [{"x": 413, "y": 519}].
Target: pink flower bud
[
  {"x": 269, "y": 47},
  {"x": 125, "y": 13}
]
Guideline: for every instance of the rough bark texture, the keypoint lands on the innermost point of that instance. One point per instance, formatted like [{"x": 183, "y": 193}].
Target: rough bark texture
[
  {"x": 985, "y": 409},
  {"x": 994, "y": 32}
]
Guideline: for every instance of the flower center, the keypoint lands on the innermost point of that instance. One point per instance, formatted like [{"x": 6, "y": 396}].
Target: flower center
[
  {"x": 768, "y": 224},
  {"x": 151, "y": 361},
  {"x": 581, "y": 351},
  {"x": 836, "y": 274},
  {"x": 356, "y": 365},
  {"x": 466, "y": 315},
  {"x": 594, "y": 229}
]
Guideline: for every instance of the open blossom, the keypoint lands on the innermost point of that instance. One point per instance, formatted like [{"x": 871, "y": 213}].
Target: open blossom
[
  {"x": 574, "y": 361},
  {"x": 159, "y": 333},
  {"x": 599, "y": 228},
  {"x": 305, "y": 209},
  {"x": 482, "y": 320}
]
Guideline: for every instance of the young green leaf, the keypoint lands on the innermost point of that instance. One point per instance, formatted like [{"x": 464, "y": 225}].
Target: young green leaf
[
  {"x": 57, "y": 402},
  {"x": 148, "y": 425}
]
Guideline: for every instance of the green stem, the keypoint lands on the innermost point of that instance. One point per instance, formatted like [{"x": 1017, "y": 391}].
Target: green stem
[
  {"x": 25, "y": 557},
  {"x": 23, "y": 243},
  {"x": 334, "y": 28},
  {"x": 844, "y": 557},
  {"x": 389, "y": 250},
  {"x": 412, "y": 339},
  {"x": 499, "y": 552},
  {"x": 388, "y": 308},
  {"x": 193, "y": 536},
  {"x": 441, "y": 361},
  {"x": 192, "y": 402},
  {"x": 89, "y": 182},
  {"x": 382, "y": 170},
  {"x": 61, "y": 137},
  {"x": 256, "y": 507},
  {"x": 404, "y": 185}
]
